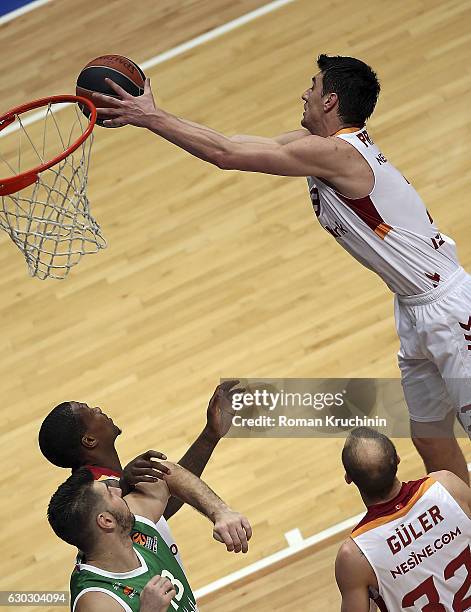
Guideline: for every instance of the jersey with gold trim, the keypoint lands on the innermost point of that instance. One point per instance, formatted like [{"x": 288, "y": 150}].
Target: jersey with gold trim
[
  {"x": 418, "y": 545},
  {"x": 389, "y": 231}
]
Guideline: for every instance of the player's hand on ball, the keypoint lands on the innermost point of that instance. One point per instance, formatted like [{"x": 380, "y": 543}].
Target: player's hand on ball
[
  {"x": 220, "y": 410},
  {"x": 156, "y": 595},
  {"x": 233, "y": 530},
  {"x": 126, "y": 109},
  {"x": 144, "y": 468}
]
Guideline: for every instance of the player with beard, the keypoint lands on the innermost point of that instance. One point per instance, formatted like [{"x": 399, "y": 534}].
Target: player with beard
[
  {"x": 74, "y": 435},
  {"x": 374, "y": 213},
  {"x": 112, "y": 569}
]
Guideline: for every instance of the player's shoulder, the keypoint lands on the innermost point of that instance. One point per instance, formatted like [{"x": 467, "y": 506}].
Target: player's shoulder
[
  {"x": 447, "y": 479},
  {"x": 348, "y": 550},
  {"x": 349, "y": 555},
  {"x": 454, "y": 485},
  {"x": 351, "y": 565},
  {"x": 334, "y": 151}
]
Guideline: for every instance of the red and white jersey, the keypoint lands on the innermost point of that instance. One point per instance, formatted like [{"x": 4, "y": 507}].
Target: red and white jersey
[
  {"x": 389, "y": 231},
  {"x": 418, "y": 545}
]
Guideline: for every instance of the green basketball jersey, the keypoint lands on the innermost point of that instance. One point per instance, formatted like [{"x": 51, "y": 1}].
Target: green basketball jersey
[{"x": 155, "y": 558}]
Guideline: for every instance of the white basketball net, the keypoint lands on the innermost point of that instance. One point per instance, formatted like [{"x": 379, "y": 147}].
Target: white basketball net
[{"x": 49, "y": 221}]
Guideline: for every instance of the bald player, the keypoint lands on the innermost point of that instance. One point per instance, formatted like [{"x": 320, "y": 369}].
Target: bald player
[
  {"x": 374, "y": 213},
  {"x": 411, "y": 551}
]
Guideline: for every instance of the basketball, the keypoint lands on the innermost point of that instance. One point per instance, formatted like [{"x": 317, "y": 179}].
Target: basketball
[{"x": 119, "y": 69}]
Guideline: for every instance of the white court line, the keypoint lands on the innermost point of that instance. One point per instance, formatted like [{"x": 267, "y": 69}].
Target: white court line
[
  {"x": 279, "y": 555},
  {"x": 22, "y": 10},
  {"x": 294, "y": 537},
  {"x": 171, "y": 53},
  {"x": 215, "y": 33}
]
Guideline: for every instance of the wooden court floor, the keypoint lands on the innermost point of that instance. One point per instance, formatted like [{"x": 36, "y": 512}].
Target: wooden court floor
[{"x": 212, "y": 274}]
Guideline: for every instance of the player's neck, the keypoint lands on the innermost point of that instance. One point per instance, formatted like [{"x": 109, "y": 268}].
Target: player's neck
[
  {"x": 115, "y": 554},
  {"x": 383, "y": 500},
  {"x": 332, "y": 127},
  {"x": 347, "y": 128},
  {"x": 106, "y": 459}
]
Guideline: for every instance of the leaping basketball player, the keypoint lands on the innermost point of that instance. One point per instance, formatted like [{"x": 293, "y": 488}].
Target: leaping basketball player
[
  {"x": 372, "y": 211},
  {"x": 411, "y": 551}
]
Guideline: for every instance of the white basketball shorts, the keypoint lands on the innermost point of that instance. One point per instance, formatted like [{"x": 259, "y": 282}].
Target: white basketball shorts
[{"x": 434, "y": 329}]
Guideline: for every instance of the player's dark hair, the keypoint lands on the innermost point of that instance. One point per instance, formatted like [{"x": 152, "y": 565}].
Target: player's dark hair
[
  {"x": 374, "y": 480},
  {"x": 60, "y": 436},
  {"x": 355, "y": 84},
  {"x": 70, "y": 509}
]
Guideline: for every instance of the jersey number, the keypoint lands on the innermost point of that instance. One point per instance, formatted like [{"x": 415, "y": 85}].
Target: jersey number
[
  {"x": 179, "y": 588},
  {"x": 428, "y": 588}
]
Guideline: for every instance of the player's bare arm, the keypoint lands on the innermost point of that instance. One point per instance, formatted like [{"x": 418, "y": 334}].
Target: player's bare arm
[
  {"x": 147, "y": 468},
  {"x": 354, "y": 575},
  {"x": 336, "y": 161},
  {"x": 150, "y": 500},
  {"x": 281, "y": 139},
  {"x": 218, "y": 421},
  {"x": 456, "y": 488},
  {"x": 143, "y": 468}
]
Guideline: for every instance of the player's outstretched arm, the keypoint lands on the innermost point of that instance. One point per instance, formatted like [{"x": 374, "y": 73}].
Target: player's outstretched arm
[
  {"x": 284, "y": 138},
  {"x": 230, "y": 527},
  {"x": 218, "y": 421},
  {"x": 150, "y": 500},
  {"x": 353, "y": 576},
  {"x": 281, "y": 139},
  {"x": 309, "y": 156}
]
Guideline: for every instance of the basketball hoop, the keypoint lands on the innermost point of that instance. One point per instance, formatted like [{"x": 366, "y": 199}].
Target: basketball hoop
[{"x": 45, "y": 209}]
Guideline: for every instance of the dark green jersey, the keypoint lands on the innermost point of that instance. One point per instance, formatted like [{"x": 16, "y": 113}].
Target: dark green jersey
[{"x": 155, "y": 558}]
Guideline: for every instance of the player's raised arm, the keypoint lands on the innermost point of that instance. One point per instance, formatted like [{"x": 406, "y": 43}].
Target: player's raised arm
[
  {"x": 353, "y": 574},
  {"x": 150, "y": 499},
  {"x": 147, "y": 468},
  {"x": 284, "y": 138},
  {"x": 312, "y": 155},
  {"x": 218, "y": 422},
  {"x": 281, "y": 139}
]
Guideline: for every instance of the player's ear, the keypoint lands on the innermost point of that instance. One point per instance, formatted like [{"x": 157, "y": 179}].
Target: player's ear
[
  {"x": 398, "y": 460},
  {"x": 89, "y": 441},
  {"x": 348, "y": 480},
  {"x": 330, "y": 101},
  {"x": 105, "y": 520}
]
